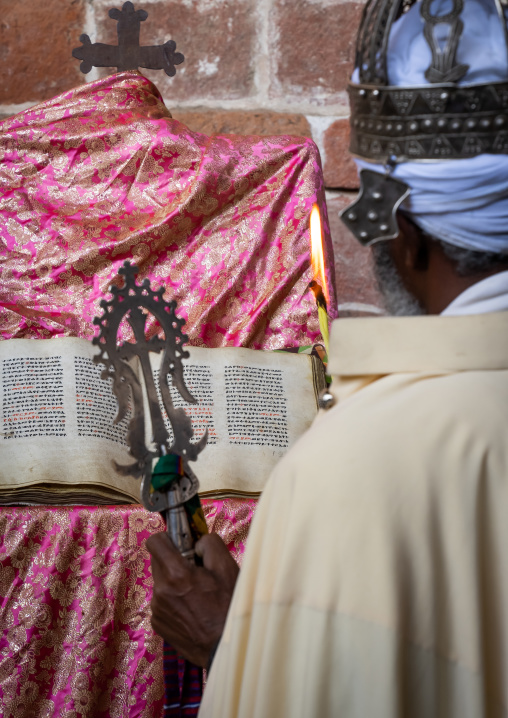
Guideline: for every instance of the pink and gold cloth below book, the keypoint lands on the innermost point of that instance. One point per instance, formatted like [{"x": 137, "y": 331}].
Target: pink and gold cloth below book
[{"x": 102, "y": 173}]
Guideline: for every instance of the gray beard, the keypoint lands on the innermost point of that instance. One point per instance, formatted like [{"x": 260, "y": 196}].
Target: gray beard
[{"x": 398, "y": 301}]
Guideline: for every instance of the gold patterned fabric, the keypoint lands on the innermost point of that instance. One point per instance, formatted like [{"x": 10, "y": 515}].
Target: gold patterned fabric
[
  {"x": 89, "y": 179},
  {"x": 230, "y": 518},
  {"x": 75, "y": 589},
  {"x": 102, "y": 174}
]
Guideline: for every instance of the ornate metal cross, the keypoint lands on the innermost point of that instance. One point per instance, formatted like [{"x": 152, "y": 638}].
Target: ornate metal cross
[
  {"x": 178, "y": 496},
  {"x": 128, "y": 55}
]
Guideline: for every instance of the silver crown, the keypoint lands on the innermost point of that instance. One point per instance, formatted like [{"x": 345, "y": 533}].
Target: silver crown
[{"x": 438, "y": 121}]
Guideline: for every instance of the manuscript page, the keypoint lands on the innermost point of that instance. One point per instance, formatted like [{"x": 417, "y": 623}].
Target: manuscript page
[
  {"x": 56, "y": 423},
  {"x": 56, "y": 419},
  {"x": 255, "y": 404}
]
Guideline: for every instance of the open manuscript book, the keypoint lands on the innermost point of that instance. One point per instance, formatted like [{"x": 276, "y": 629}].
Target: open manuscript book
[{"x": 58, "y": 441}]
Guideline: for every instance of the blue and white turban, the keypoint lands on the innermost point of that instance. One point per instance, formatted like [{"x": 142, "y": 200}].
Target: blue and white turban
[{"x": 463, "y": 202}]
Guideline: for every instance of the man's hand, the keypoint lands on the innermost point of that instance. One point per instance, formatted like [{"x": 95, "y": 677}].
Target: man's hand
[{"x": 190, "y": 603}]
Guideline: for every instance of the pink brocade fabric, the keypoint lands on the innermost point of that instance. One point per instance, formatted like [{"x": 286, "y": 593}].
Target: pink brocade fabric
[
  {"x": 230, "y": 518},
  {"x": 101, "y": 174},
  {"x": 75, "y": 589},
  {"x": 89, "y": 179}
]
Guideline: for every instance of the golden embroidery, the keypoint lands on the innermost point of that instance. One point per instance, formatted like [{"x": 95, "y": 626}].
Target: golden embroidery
[
  {"x": 221, "y": 221},
  {"x": 71, "y": 635}
]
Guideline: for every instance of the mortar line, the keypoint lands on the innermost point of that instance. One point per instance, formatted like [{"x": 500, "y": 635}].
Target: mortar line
[
  {"x": 263, "y": 75},
  {"x": 337, "y": 110},
  {"x": 90, "y": 29}
]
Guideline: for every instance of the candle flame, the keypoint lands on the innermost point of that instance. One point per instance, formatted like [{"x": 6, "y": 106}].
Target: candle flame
[{"x": 316, "y": 251}]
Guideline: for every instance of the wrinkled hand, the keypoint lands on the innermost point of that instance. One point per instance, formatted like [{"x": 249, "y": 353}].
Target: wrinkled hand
[{"x": 190, "y": 603}]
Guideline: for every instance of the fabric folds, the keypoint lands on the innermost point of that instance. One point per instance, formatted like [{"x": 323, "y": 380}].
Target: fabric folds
[
  {"x": 102, "y": 174},
  {"x": 75, "y": 591}
]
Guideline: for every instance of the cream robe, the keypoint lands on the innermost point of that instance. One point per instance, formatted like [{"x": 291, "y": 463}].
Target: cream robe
[{"x": 375, "y": 582}]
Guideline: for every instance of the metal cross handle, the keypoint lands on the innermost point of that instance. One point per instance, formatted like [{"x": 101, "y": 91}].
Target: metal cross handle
[{"x": 134, "y": 303}]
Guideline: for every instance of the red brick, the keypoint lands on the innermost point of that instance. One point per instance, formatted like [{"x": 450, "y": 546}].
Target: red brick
[
  {"x": 313, "y": 45},
  {"x": 217, "y": 38},
  {"x": 340, "y": 169},
  {"x": 259, "y": 122},
  {"x": 36, "y": 42},
  {"x": 354, "y": 274}
]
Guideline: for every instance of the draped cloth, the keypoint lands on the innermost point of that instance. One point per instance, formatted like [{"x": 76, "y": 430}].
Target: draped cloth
[
  {"x": 101, "y": 174},
  {"x": 75, "y": 590},
  {"x": 381, "y": 589},
  {"x": 75, "y": 584},
  {"x": 93, "y": 177}
]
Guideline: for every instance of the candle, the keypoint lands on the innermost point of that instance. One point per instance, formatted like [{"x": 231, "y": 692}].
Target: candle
[
  {"x": 318, "y": 285},
  {"x": 322, "y": 313}
]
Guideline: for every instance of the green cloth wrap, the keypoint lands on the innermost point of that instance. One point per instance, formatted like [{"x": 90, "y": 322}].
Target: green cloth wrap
[{"x": 168, "y": 469}]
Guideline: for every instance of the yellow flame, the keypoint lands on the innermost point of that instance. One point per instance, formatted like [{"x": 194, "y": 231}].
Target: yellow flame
[{"x": 316, "y": 251}]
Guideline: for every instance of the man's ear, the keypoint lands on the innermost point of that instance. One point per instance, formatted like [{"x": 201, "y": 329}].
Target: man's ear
[{"x": 414, "y": 245}]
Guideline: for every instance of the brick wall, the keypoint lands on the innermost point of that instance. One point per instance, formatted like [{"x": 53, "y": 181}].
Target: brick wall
[{"x": 251, "y": 67}]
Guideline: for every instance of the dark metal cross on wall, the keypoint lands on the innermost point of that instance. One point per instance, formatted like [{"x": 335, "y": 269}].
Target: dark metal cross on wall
[{"x": 128, "y": 55}]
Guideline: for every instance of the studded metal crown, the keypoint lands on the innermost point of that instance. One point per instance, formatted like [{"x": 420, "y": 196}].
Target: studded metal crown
[{"x": 439, "y": 121}]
